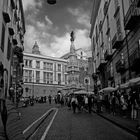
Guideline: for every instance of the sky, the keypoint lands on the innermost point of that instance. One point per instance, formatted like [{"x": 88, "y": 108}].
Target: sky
[{"x": 51, "y": 25}]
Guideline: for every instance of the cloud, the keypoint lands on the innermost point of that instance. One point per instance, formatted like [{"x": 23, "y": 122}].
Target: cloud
[
  {"x": 81, "y": 15},
  {"x": 61, "y": 45},
  {"x": 31, "y": 4},
  {"x": 53, "y": 45},
  {"x": 82, "y": 39}
]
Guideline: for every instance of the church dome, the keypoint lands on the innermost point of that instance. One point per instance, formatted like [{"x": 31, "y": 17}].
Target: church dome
[{"x": 35, "y": 49}]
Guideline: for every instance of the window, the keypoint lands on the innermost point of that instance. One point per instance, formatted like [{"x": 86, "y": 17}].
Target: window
[
  {"x": 2, "y": 37},
  {"x": 49, "y": 78},
  {"x": 30, "y": 76},
  {"x": 59, "y": 79},
  {"x": 59, "y": 67},
  {"x": 26, "y": 63},
  {"x": 65, "y": 79},
  {"x": 37, "y": 64},
  {"x": 44, "y": 65},
  {"x": 37, "y": 76},
  {"x": 45, "y": 77},
  {"x": 50, "y": 66},
  {"x": 9, "y": 49},
  {"x": 26, "y": 75},
  {"x": 30, "y": 63},
  {"x": 107, "y": 18},
  {"x": 65, "y": 68}
]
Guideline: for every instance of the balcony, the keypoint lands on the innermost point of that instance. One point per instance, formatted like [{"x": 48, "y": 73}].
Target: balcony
[
  {"x": 19, "y": 53},
  {"x": 135, "y": 61},
  {"x": 6, "y": 17},
  {"x": 132, "y": 17},
  {"x": 116, "y": 42},
  {"x": 138, "y": 3},
  {"x": 110, "y": 76},
  {"x": 120, "y": 66},
  {"x": 11, "y": 31},
  {"x": 102, "y": 64},
  {"x": 107, "y": 55}
]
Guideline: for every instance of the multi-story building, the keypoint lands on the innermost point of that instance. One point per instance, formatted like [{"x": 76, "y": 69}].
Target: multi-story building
[
  {"x": 12, "y": 29},
  {"x": 115, "y": 36},
  {"x": 43, "y": 75},
  {"x": 79, "y": 68}
]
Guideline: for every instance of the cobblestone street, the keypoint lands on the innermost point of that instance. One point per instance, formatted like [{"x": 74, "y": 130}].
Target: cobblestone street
[{"x": 78, "y": 126}]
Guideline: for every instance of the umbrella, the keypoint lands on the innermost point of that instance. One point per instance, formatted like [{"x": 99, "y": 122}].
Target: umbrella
[
  {"x": 134, "y": 81},
  {"x": 108, "y": 89},
  {"x": 81, "y": 92},
  {"x": 124, "y": 86},
  {"x": 90, "y": 92}
]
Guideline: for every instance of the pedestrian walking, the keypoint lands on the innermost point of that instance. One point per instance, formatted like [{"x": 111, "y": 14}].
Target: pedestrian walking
[
  {"x": 50, "y": 99},
  {"x": 113, "y": 103},
  {"x": 89, "y": 103},
  {"x": 86, "y": 102},
  {"x": 134, "y": 105},
  {"x": 123, "y": 105},
  {"x": 74, "y": 103}
]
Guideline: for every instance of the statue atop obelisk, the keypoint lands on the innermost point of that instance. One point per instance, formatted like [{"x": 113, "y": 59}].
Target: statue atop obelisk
[
  {"x": 72, "y": 47},
  {"x": 72, "y": 36}
]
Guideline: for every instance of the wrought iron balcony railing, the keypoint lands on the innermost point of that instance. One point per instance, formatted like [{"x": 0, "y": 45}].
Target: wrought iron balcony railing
[
  {"x": 132, "y": 16},
  {"x": 107, "y": 55},
  {"x": 116, "y": 41},
  {"x": 120, "y": 66}
]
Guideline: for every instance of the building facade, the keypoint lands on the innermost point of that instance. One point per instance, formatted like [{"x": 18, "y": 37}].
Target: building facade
[
  {"x": 43, "y": 75},
  {"x": 79, "y": 68},
  {"x": 12, "y": 30},
  {"x": 115, "y": 37}
]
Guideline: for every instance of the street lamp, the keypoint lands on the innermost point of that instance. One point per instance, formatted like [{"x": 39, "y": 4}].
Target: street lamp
[{"x": 51, "y": 2}]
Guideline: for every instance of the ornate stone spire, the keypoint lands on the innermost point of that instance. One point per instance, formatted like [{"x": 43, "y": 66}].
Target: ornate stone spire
[
  {"x": 35, "y": 49},
  {"x": 72, "y": 48}
]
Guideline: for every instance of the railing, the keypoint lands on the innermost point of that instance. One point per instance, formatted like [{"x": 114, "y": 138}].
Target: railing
[
  {"x": 110, "y": 75},
  {"x": 107, "y": 55},
  {"x": 133, "y": 11},
  {"x": 135, "y": 55},
  {"x": 116, "y": 41},
  {"x": 120, "y": 66}
]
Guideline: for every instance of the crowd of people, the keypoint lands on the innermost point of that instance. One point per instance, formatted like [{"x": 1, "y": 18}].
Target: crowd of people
[
  {"x": 120, "y": 102},
  {"x": 123, "y": 103}
]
